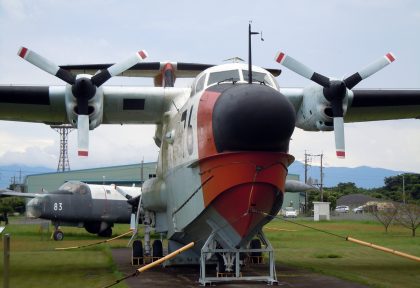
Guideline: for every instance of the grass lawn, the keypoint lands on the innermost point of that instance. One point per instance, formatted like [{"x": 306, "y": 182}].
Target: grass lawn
[
  {"x": 334, "y": 256},
  {"x": 34, "y": 262}
]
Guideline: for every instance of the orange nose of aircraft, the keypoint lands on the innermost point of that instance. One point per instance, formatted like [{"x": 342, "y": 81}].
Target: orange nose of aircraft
[{"x": 244, "y": 134}]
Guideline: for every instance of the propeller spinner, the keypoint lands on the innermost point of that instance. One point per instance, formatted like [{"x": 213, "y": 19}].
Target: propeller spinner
[
  {"x": 83, "y": 88},
  {"x": 335, "y": 90}
]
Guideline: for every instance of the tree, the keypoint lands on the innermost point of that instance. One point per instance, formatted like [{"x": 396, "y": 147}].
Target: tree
[
  {"x": 12, "y": 204},
  {"x": 385, "y": 215},
  {"x": 394, "y": 187},
  {"x": 408, "y": 215}
]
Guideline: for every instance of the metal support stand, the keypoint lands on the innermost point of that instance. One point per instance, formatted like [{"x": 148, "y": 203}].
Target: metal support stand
[{"x": 207, "y": 251}]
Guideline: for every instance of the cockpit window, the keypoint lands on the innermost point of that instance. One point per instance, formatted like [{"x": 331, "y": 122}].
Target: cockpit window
[
  {"x": 222, "y": 76},
  {"x": 200, "y": 83},
  {"x": 75, "y": 187},
  {"x": 262, "y": 78}
]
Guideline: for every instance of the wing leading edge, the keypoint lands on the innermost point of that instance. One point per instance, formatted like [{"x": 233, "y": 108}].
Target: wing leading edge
[{"x": 383, "y": 104}]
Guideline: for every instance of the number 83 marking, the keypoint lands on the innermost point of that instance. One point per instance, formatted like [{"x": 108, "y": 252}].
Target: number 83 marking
[{"x": 58, "y": 206}]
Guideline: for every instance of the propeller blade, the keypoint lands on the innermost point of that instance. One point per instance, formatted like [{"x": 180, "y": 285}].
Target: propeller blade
[
  {"x": 301, "y": 69},
  {"x": 46, "y": 65},
  {"x": 369, "y": 70},
  {"x": 118, "y": 68},
  {"x": 339, "y": 137},
  {"x": 133, "y": 221},
  {"x": 83, "y": 135}
]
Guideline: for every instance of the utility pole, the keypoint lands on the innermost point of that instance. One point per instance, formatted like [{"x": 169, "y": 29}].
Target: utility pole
[
  {"x": 141, "y": 172},
  {"x": 321, "y": 184},
  {"x": 321, "y": 187},
  {"x": 403, "y": 184},
  {"x": 306, "y": 181}
]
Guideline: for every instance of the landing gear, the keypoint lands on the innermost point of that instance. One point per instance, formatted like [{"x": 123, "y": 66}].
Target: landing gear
[
  {"x": 220, "y": 266},
  {"x": 106, "y": 233},
  {"x": 157, "y": 249},
  {"x": 137, "y": 253},
  {"x": 255, "y": 244},
  {"x": 58, "y": 235}
]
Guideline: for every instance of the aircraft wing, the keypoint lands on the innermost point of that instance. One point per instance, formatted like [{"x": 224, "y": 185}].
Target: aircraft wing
[
  {"x": 116, "y": 105},
  {"x": 383, "y": 104},
  {"x": 7, "y": 192},
  {"x": 151, "y": 69},
  {"x": 363, "y": 104}
]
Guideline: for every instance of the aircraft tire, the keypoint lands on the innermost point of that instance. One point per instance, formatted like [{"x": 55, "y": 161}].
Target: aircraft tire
[
  {"x": 137, "y": 249},
  {"x": 106, "y": 233},
  {"x": 58, "y": 235},
  {"x": 220, "y": 267},
  {"x": 157, "y": 251},
  {"x": 255, "y": 244}
]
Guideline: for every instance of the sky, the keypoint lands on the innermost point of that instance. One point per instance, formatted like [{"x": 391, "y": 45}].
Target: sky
[{"x": 336, "y": 38}]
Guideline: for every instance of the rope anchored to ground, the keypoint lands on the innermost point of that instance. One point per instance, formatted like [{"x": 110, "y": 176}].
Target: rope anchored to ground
[
  {"x": 154, "y": 263},
  {"x": 348, "y": 238}
]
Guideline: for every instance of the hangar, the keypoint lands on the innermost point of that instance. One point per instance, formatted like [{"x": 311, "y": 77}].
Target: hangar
[{"x": 124, "y": 175}]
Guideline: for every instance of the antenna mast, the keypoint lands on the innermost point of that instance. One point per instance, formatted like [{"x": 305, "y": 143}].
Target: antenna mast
[{"x": 250, "y": 33}]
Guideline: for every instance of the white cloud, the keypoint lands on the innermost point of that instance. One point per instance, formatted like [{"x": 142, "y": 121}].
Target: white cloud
[{"x": 13, "y": 8}]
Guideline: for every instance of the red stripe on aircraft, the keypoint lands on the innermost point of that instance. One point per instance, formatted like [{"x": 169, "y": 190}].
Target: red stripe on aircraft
[
  {"x": 83, "y": 153},
  {"x": 23, "y": 52},
  {"x": 390, "y": 57},
  {"x": 206, "y": 145}
]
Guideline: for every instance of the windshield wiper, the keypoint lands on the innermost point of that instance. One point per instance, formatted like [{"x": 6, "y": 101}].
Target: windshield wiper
[
  {"x": 259, "y": 81},
  {"x": 231, "y": 79}
]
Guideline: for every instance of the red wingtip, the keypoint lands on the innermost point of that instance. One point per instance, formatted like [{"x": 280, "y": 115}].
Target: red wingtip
[
  {"x": 341, "y": 154},
  {"x": 22, "y": 52},
  {"x": 280, "y": 57},
  {"x": 83, "y": 153},
  {"x": 143, "y": 54},
  {"x": 390, "y": 57}
]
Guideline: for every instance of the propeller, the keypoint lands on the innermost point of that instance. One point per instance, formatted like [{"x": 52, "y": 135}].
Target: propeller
[
  {"x": 135, "y": 203},
  {"x": 335, "y": 90},
  {"x": 83, "y": 87}
]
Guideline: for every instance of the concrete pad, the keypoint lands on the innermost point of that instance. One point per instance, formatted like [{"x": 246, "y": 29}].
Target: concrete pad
[{"x": 188, "y": 276}]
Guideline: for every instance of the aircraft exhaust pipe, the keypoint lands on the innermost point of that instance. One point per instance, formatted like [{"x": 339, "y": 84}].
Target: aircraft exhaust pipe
[{"x": 384, "y": 249}]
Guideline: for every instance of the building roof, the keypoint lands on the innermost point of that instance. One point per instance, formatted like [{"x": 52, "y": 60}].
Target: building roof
[{"x": 355, "y": 200}]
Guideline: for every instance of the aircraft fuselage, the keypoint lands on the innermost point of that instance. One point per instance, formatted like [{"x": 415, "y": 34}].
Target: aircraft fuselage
[{"x": 223, "y": 157}]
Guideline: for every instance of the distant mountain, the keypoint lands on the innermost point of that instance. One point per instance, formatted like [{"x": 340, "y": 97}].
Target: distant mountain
[
  {"x": 363, "y": 176},
  {"x": 17, "y": 173}
]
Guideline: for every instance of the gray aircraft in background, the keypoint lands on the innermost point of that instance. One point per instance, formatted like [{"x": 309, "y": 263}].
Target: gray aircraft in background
[{"x": 93, "y": 207}]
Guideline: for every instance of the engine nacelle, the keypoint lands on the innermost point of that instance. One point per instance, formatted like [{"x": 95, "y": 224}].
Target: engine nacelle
[
  {"x": 315, "y": 113},
  {"x": 95, "y": 110}
]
